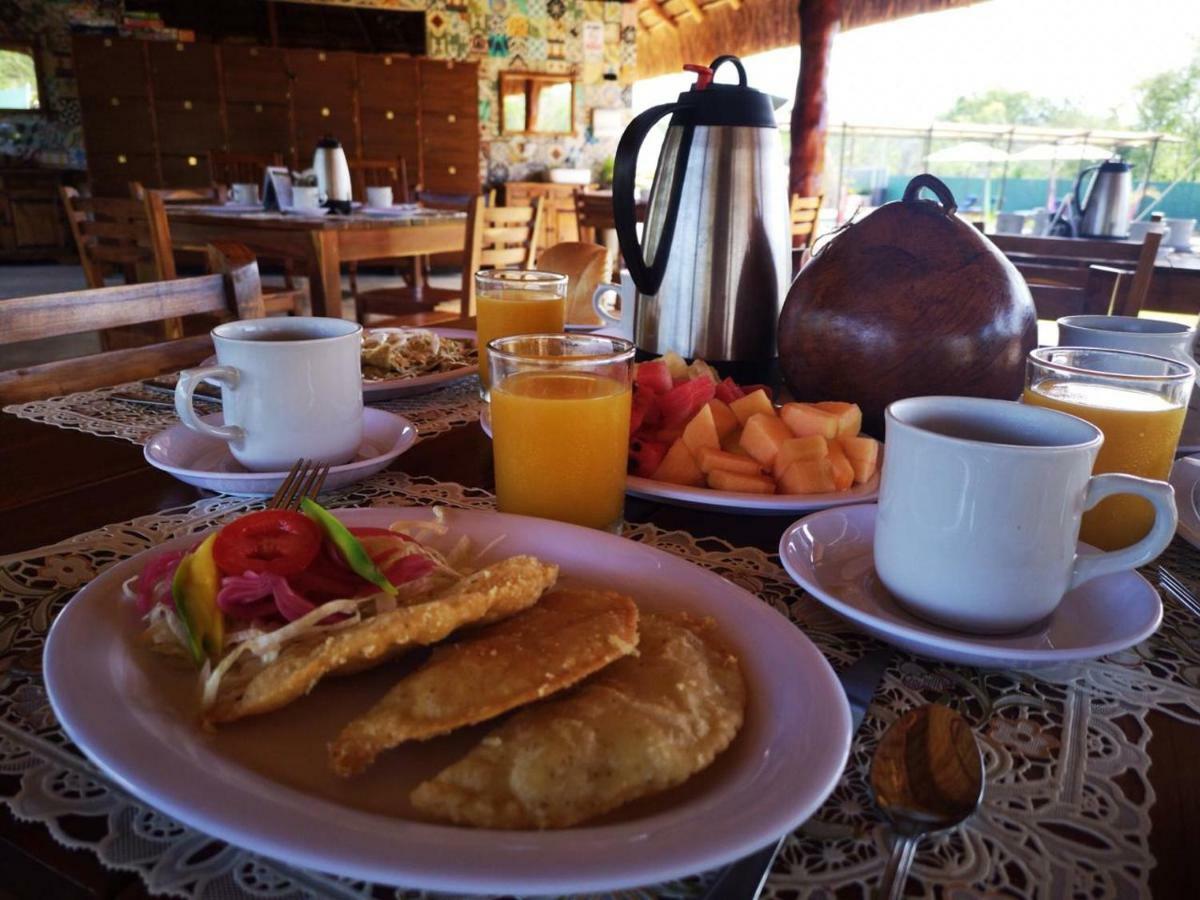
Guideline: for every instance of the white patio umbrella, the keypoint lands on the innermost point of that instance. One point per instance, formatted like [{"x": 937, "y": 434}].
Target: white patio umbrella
[
  {"x": 1055, "y": 153},
  {"x": 968, "y": 152}
]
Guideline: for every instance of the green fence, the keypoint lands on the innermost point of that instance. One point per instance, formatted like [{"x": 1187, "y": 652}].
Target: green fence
[{"x": 1028, "y": 193}]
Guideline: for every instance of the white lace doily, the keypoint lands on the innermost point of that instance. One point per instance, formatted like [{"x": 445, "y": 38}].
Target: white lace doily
[
  {"x": 1065, "y": 813},
  {"x": 100, "y": 412}
]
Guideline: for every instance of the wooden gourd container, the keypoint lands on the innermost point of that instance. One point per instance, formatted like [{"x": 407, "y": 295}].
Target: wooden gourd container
[{"x": 910, "y": 301}]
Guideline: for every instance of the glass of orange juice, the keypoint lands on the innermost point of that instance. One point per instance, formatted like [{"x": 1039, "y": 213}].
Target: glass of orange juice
[
  {"x": 560, "y": 426},
  {"x": 516, "y": 301},
  {"x": 1139, "y": 402}
]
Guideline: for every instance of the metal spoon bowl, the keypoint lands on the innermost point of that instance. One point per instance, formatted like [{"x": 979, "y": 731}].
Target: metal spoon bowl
[{"x": 927, "y": 775}]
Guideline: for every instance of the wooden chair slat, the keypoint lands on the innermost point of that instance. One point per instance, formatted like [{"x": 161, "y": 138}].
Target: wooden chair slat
[
  {"x": 129, "y": 231},
  {"x": 505, "y": 236},
  {"x": 504, "y": 215},
  {"x": 502, "y": 258}
]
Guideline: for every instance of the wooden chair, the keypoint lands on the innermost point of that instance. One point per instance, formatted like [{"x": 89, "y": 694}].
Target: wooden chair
[
  {"x": 498, "y": 237},
  {"x": 240, "y": 168},
  {"x": 285, "y": 300},
  {"x": 1067, "y": 262},
  {"x": 1092, "y": 291},
  {"x": 393, "y": 173},
  {"x": 232, "y": 289},
  {"x": 805, "y": 213},
  {"x": 594, "y": 213}
]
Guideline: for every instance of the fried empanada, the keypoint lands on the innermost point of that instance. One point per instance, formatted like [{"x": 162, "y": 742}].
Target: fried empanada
[
  {"x": 567, "y": 636},
  {"x": 253, "y": 687},
  {"x": 641, "y": 725}
]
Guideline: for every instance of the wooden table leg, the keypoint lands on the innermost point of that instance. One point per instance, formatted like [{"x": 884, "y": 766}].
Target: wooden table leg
[{"x": 325, "y": 274}]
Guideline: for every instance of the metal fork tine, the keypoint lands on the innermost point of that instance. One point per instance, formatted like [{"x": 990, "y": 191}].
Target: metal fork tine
[
  {"x": 306, "y": 487},
  {"x": 279, "y": 499},
  {"x": 1177, "y": 589},
  {"x": 323, "y": 472}
]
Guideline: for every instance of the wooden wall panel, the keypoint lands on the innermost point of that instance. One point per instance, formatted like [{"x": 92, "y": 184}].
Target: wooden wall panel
[{"x": 183, "y": 71}]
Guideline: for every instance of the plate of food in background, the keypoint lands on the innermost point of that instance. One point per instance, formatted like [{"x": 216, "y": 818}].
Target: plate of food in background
[
  {"x": 402, "y": 362},
  {"x": 600, "y": 705}
]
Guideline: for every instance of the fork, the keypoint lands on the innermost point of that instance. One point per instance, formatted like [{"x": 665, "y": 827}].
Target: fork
[
  {"x": 304, "y": 480},
  {"x": 1180, "y": 591}
]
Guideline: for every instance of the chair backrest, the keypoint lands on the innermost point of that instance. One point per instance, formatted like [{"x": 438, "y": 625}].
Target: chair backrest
[
  {"x": 498, "y": 237},
  {"x": 233, "y": 288},
  {"x": 214, "y": 193},
  {"x": 1060, "y": 261},
  {"x": 120, "y": 233},
  {"x": 805, "y": 212},
  {"x": 240, "y": 168},
  {"x": 594, "y": 213},
  {"x": 393, "y": 173},
  {"x": 1092, "y": 291}
]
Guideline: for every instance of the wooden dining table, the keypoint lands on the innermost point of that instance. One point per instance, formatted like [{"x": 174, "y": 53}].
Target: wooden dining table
[
  {"x": 319, "y": 243},
  {"x": 57, "y": 483}
]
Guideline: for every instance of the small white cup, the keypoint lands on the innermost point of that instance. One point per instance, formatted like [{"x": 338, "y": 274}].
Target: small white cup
[
  {"x": 244, "y": 194},
  {"x": 617, "y": 325},
  {"x": 379, "y": 197},
  {"x": 1010, "y": 223},
  {"x": 979, "y": 509},
  {"x": 1179, "y": 233},
  {"x": 1157, "y": 337},
  {"x": 290, "y": 388},
  {"x": 306, "y": 197}
]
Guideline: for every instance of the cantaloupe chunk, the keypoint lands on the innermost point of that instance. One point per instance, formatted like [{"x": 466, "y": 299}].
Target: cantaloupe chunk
[
  {"x": 752, "y": 404},
  {"x": 843, "y": 472},
  {"x": 803, "y": 419},
  {"x": 809, "y": 476},
  {"x": 863, "y": 453},
  {"x": 711, "y": 460},
  {"x": 701, "y": 431},
  {"x": 747, "y": 484},
  {"x": 762, "y": 437},
  {"x": 849, "y": 416},
  {"x": 732, "y": 442},
  {"x": 676, "y": 365},
  {"x": 678, "y": 467},
  {"x": 727, "y": 422},
  {"x": 813, "y": 446}
]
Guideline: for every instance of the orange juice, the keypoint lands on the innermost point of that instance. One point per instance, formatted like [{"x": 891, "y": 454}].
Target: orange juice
[
  {"x": 561, "y": 446},
  {"x": 503, "y": 313},
  {"x": 1141, "y": 431}
]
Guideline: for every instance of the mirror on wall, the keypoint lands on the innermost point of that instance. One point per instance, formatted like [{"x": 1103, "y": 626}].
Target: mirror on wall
[
  {"x": 20, "y": 85},
  {"x": 536, "y": 103}
]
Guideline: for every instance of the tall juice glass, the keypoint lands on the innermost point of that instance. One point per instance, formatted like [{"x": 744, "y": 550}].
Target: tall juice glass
[
  {"x": 516, "y": 301},
  {"x": 560, "y": 426},
  {"x": 1139, "y": 402}
]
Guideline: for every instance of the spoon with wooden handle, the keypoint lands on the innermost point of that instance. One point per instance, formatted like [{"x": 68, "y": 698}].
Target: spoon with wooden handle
[{"x": 927, "y": 775}]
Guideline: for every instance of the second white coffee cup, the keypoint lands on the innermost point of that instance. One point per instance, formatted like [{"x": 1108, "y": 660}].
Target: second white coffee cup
[
  {"x": 979, "y": 510},
  {"x": 290, "y": 388}
]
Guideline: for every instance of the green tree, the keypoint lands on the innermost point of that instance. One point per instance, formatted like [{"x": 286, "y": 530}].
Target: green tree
[
  {"x": 1170, "y": 102},
  {"x": 1003, "y": 107}
]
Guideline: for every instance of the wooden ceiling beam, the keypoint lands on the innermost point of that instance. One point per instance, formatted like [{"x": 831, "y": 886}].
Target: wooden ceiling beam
[
  {"x": 662, "y": 14},
  {"x": 694, "y": 10}
]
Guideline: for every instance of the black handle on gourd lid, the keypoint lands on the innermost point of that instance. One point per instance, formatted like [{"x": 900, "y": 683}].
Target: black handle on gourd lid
[{"x": 647, "y": 277}]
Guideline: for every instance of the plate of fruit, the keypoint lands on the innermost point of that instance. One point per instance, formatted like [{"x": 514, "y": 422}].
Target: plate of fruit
[{"x": 702, "y": 441}]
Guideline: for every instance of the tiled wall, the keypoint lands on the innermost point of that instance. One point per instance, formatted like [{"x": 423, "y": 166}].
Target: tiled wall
[
  {"x": 530, "y": 35},
  {"x": 540, "y": 36}
]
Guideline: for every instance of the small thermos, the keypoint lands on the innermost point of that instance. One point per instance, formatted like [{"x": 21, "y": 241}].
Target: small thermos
[{"x": 333, "y": 175}]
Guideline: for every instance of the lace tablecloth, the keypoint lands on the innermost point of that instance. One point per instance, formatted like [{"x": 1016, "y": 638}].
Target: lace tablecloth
[
  {"x": 102, "y": 413},
  {"x": 1066, "y": 809}
]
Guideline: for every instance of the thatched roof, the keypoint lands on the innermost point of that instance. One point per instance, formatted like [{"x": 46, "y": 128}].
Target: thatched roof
[{"x": 674, "y": 32}]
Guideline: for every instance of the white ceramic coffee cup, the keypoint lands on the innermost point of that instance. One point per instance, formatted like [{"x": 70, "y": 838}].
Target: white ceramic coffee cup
[
  {"x": 290, "y": 388},
  {"x": 1158, "y": 337},
  {"x": 379, "y": 196},
  {"x": 306, "y": 197},
  {"x": 979, "y": 509},
  {"x": 617, "y": 325},
  {"x": 1179, "y": 233},
  {"x": 245, "y": 194}
]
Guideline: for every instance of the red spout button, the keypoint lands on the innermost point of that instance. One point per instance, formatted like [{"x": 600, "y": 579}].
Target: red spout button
[{"x": 704, "y": 75}]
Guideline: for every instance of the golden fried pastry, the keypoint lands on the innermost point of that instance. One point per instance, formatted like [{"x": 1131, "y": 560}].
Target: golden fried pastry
[
  {"x": 564, "y": 638},
  {"x": 641, "y": 725},
  {"x": 253, "y": 687}
]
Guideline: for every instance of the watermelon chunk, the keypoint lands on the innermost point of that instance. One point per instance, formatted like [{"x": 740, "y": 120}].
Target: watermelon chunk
[
  {"x": 683, "y": 401},
  {"x": 646, "y": 456},
  {"x": 654, "y": 376},
  {"x": 728, "y": 391}
]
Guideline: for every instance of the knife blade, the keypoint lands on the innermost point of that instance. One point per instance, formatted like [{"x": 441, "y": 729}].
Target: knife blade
[
  {"x": 207, "y": 391},
  {"x": 746, "y": 877}
]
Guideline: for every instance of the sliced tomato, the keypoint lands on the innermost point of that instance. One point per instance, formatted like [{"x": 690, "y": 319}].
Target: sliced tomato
[{"x": 277, "y": 541}]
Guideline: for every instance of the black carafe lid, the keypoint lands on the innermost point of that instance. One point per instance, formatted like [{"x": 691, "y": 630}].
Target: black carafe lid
[{"x": 710, "y": 103}]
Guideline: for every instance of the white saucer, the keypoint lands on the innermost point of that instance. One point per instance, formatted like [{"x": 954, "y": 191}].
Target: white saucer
[
  {"x": 1184, "y": 475},
  {"x": 206, "y": 462},
  {"x": 831, "y": 555}
]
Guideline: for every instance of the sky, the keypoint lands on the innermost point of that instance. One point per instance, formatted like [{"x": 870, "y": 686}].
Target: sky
[{"x": 910, "y": 71}]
